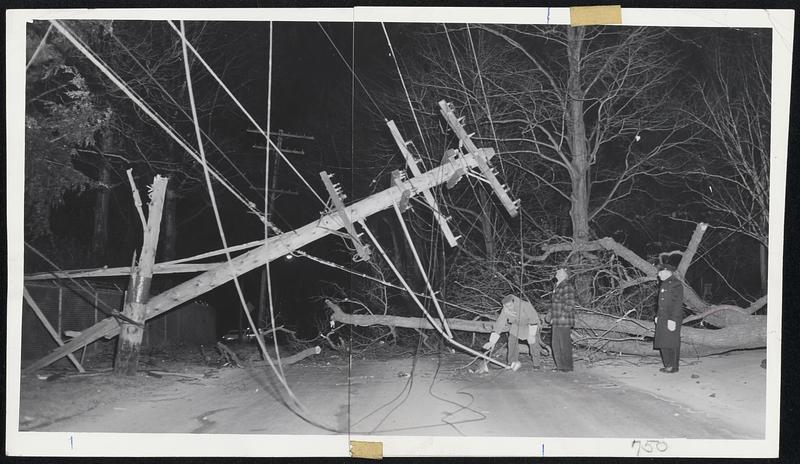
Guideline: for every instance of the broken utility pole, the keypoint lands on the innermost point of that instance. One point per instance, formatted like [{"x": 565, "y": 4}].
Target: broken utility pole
[
  {"x": 456, "y": 164},
  {"x": 130, "y": 337}
]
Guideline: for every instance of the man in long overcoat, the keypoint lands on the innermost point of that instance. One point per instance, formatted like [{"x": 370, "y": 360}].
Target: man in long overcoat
[{"x": 669, "y": 319}]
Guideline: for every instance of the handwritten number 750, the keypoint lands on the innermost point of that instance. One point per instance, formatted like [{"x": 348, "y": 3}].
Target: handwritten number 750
[{"x": 649, "y": 446}]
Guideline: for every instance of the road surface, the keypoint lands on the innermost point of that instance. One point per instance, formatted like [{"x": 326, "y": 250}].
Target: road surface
[{"x": 429, "y": 396}]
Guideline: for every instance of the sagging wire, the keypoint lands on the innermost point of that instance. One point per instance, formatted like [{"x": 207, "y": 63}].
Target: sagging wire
[
  {"x": 474, "y": 118},
  {"x": 422, "y": 270},
  {"x": 375, "y": 279},
  {"x": 266, "y": 202},
  {"x": 245, "y": 112},
  {"x": 420, "y": 305},
  {"x": 352, "y": 71},
  {"x": 486, "y": 100},
  {"x": 462, "y": 407},
  {"x": 38, "y": 47},
  {"x": 139, "y": 101},
  {"x": 405, "y": 89},
  {"x": 180, "y": 108},
  {"x": 404, "y": 393},
  {"x": 111, "y": 312},
  {"x": 413, "y": 111},
  {"x": 221, "y": 231}
]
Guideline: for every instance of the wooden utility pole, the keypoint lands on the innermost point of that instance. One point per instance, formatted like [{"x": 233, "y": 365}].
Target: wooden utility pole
[
  {"x": 455, "y": 166},
  {"x": 261, "y": 310},
  {"x": 130, "y": 337}
]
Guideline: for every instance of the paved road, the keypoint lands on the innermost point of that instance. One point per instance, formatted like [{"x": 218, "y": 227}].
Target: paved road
[{"x": 380, "y": 397}]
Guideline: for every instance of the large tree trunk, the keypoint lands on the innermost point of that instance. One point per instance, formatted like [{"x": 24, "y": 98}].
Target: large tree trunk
[
  {"x": 605, "y": 333},
  {"x": 579, "y": 166},
  {"x": 169, "y": 235},
  {"x": 576, "y": 130},
  {"x": 100, "y": 229}
]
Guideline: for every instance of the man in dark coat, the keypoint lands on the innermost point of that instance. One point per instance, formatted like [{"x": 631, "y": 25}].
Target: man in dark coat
[
  {"x": 524, "y": 323},
  {"x": 669, "y": 319},
  {"x": 562, "y": 318}
]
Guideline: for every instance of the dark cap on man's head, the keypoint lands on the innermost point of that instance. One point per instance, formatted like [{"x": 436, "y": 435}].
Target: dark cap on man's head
[{"x": 668, "y": 267}]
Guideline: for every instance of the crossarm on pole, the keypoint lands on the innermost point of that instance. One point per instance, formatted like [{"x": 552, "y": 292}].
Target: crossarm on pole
[
  {"x": 482, "y": 156},
  {"x": 335, "y": 192},
  {"x": 411, "y": 162}
]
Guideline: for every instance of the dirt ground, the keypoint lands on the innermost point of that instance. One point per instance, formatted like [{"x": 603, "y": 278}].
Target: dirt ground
[{"x": 395, "y": 393}]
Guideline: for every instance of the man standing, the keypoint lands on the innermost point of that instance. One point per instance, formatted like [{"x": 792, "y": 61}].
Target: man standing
[
  {"x": 669, "y": 319},
  {"x": 562, "y": 318},
  {"x": 524, "y": 322}
]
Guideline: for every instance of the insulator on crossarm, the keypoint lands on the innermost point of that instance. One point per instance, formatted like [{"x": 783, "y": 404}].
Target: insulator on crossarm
[
  {"x": 461, "y": 119},
  {"x": 471, "y": 134}
]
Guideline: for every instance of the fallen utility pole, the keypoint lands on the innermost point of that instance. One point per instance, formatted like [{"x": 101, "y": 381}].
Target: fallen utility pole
[{"x": 287, "y": 242}]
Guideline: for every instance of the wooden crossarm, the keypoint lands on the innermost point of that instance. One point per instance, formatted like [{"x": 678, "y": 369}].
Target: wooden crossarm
[
  {"x": 362, "y": 251},
  {"x": 482, "y": 156},
  {"x": 411, "y": 162}
]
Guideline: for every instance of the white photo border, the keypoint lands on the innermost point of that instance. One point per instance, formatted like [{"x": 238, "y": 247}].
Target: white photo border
[{"x": 781, "y": 22}]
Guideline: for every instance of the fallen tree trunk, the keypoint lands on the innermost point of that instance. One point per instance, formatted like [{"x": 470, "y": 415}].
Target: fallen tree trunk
[
  {"x": 716, "y": 315},
  {"x": 285, "y": 361},
  {"x": 696, "y": 342},
  {"x": 365, "y": 320}
]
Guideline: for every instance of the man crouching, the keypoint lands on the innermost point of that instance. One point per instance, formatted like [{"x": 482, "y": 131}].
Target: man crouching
[{"x": 524, "y": 322}]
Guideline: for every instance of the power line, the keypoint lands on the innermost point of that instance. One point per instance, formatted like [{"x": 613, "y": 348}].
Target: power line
[
  {"x": 246, "y": 113},
  {"x": 136, "y": 99},
  {"x": 180, "y": 108},
  {"x": 352, "y": 71}
]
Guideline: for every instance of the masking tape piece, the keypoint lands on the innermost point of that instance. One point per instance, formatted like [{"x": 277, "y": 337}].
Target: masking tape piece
[
  {"x": 589, "y": 15},
  {"x": 366, "y": 449}
]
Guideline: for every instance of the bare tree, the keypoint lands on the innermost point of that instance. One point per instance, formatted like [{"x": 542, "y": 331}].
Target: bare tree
[
  {"x": 582, "y": 117},
  {"x": 732, "y": 180}
]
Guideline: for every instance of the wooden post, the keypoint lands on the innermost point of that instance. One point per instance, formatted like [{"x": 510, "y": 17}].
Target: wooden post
[
  {"x": 35, "y": 307},
  {"x": 130, "y": 337},
  {"x": 691, "y": 249}
]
